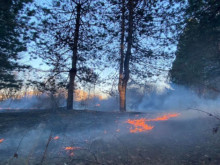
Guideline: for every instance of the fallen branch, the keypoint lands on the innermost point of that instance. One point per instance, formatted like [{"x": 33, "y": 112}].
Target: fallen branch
[
  {"x": 16, "y": 152},
  {"x": 215, "y": 129},
  {"x": 45, "y": 151},
  {"x": 210, "y": 114}
]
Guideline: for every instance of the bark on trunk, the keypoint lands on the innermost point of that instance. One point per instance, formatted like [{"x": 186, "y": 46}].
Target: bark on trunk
[
  {"x": 121, "y": 89},
  {"x": 126, "y": 71},
  {"x": 72, "y": 75},
  {"x": 72, "y": 72},
  {"x": 122, "y": 97}
]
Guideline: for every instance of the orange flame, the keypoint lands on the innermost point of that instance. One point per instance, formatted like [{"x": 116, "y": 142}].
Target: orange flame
[
  {"x": 139, "y": 125},
  {"x": 68, "y": 148},
  {"x": 164, "y": 117},
  {"x": 56, "y": 138},
  {"x": 1, "y": 140},
  {"x": 71, "y": 148}
]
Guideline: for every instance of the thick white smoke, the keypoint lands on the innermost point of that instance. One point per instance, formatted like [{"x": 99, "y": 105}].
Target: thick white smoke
[
  {"x": 177, "y": 98},
  {"x": 171, "y": 98}
]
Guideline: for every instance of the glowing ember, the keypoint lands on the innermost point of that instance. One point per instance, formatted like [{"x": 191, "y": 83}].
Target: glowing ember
[
  {"x": 139, "y": 125},
  {"x": 71, "y": 148},
  {"x": 1, "y": 140},
  {"x": 68, "y": 148},
  {"x": 56, "y": 138}
]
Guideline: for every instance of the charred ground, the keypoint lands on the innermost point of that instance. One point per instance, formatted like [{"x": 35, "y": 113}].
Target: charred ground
[{"x": 104, "y": 138}]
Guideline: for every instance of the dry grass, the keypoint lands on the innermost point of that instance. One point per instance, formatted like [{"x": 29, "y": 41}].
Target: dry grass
[{"x": 94, "y": 133}]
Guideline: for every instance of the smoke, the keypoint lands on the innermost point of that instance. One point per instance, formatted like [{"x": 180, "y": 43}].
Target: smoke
[
  {"x": 105, "y": 137},
  {"x": 162, "y": 97},
  {"x": 23, "y": 103},
  {"x": 102, "y": 137},
  {"x": 177, "y": 98},
  {"x": 32, "y": 102}
]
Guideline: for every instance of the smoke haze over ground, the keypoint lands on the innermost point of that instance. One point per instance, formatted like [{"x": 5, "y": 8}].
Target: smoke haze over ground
[
  {"x": 177, "y": 98},
  {"x": 172, "y": 98},
  {"x": 104, "y": 138},
  {"x": 100, "y": 137}
]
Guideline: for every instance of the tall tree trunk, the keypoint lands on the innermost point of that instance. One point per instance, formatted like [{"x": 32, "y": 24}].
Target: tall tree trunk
[
  {"x": 73, "y": 70},
  {"x": 120, "y": 83},
  {"x": 128, "y": 54}
]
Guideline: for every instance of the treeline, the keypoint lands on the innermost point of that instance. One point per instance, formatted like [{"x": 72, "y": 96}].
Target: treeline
[
  {"x": 81, "y": 40},
  {"x": 197, "y": 62}
]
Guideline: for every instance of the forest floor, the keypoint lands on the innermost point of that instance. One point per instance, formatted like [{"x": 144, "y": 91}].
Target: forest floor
[{"x": 94, "y": 137}]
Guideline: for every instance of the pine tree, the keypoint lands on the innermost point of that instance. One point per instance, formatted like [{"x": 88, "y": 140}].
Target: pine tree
[
  {"x": 197, "y": 60},
  {"x": 12, "y": 41},
  {"x": 145, "y": 29},
  {"x": 69, "y": 38}
]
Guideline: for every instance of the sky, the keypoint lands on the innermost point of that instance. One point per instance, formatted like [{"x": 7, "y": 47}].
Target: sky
[{"x": 162, "y": 80}]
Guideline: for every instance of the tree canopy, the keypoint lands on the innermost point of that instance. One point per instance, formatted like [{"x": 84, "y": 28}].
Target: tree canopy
[
  {"x": 12, "y": 40},
  {"x": 197, "y": 62}
]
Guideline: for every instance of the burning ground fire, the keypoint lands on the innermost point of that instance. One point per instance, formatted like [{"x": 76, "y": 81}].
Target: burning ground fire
[
  {"x": 56, "y": 138},
  {"x": 1, "y": 140},
  {"x": 139, "y": 125},
  {"x": 71, "y": 149},
  {"x": 164, "y": 117}
]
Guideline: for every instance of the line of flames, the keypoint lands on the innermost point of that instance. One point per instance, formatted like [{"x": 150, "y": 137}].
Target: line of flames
[{"x": 139, "y": 125}]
